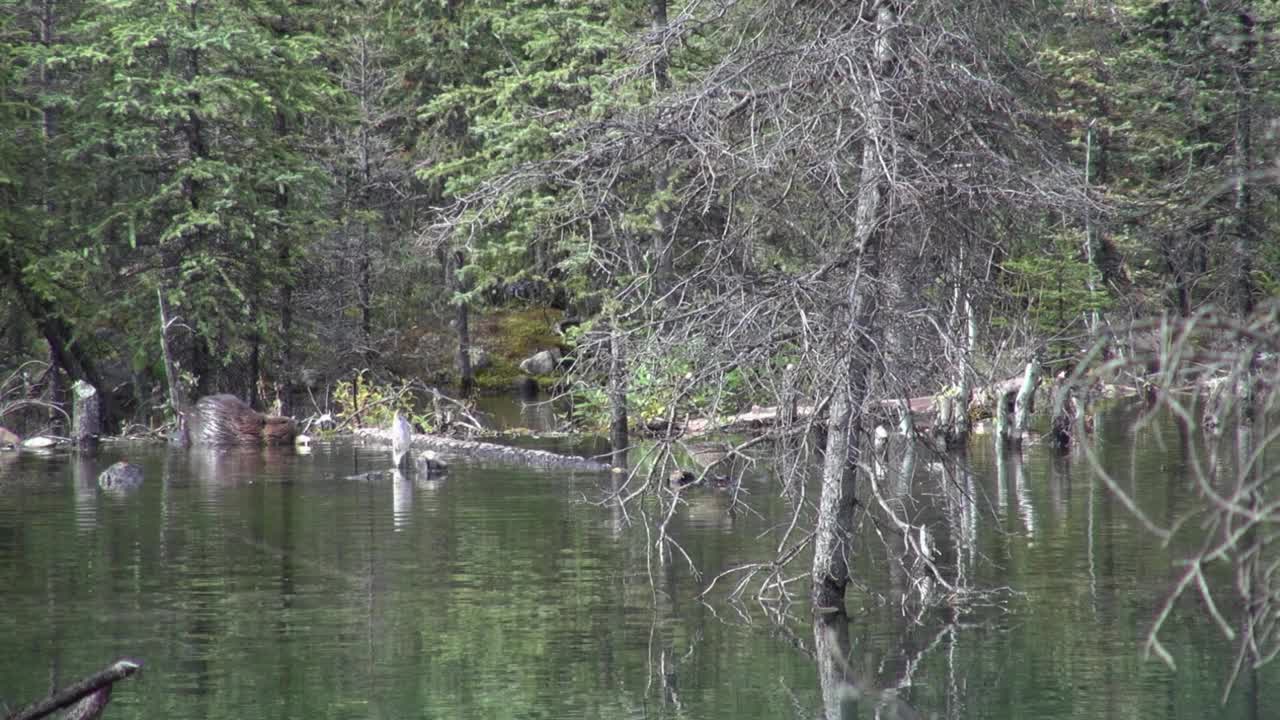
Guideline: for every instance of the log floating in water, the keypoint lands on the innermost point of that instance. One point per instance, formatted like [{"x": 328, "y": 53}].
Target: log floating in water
[{"x": 489, "y": 451}]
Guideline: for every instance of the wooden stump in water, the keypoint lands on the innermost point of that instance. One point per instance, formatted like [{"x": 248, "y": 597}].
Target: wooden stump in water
[{"x": 86, "y": 424}]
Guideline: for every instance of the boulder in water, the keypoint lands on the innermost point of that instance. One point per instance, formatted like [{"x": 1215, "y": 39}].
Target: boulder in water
[{"x": 541, "y": 363}]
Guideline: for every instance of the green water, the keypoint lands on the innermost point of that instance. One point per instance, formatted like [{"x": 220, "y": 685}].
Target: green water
[{"x": 273, "y": 585}]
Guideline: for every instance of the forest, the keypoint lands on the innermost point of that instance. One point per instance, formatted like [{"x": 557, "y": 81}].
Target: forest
[{"x": 709, "y": 206}]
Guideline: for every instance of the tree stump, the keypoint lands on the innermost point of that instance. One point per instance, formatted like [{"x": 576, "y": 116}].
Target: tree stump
[{"x": 86, "y": 424}]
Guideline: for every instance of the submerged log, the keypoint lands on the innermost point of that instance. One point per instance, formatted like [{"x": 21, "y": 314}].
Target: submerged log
[{"x": 490, "y": 452}]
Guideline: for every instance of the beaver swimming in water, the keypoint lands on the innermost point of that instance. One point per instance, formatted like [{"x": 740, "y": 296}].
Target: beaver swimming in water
[
  {"x": 228, "y": 420},
  {"x": 120, "y": 476}
]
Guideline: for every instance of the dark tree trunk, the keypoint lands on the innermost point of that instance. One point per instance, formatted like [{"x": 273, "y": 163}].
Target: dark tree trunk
[
  {"x": 467, "y": 379},
  {"x": 1242, "y": 285},
  {"x": 285, "y": 372},
  {"x": 364, "y": 290},
  {"x": 618, "y": 430}
]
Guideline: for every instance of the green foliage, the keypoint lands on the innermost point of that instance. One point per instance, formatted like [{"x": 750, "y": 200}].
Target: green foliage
[
  {"x": 360, "y": 401},
  {"x": 523, "y": 77},
  {"x": 1054, "y": 285},
  {"x": 661, "y": 388}
]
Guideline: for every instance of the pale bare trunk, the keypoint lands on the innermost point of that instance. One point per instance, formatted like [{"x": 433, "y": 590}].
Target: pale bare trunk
[
  {"x": 1024, "y": 405},
  {"x": 836, "y": 504}
]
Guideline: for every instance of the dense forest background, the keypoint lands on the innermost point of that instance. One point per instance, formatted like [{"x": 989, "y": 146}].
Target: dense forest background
[{"x": 740, "y": 201}]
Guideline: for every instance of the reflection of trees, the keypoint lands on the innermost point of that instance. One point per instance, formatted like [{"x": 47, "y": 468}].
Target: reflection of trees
[
  {"x": 843, "y": 687},
  {"x": 1235, "y": 513}
]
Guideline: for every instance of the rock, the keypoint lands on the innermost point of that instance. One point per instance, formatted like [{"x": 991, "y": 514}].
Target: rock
[
  {"x": 541, "y": 363},
  {"x": 480, "y": 359},
  {"x": 121, "y": 476},
  {"x": 39, "y": 442},
  {"x": 430, "y": 463}
]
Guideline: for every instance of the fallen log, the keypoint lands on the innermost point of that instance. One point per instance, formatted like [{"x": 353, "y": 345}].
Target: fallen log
[
  {"x": 754, "y": 418},
  {"x": 489, "y": 452}
]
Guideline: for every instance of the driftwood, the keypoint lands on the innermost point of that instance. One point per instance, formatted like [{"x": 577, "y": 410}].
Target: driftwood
[
  {"x": 490, "y": 452},
  {"x": 89, "y": 696}
]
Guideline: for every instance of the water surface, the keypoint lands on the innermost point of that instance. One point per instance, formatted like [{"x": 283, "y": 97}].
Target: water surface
[{"x": 271, "y": 584}]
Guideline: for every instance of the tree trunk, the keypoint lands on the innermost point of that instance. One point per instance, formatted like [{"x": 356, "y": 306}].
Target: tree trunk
[
  {"x": 835, "y": 508},
  {"x": 57, "y": 396},
  {"x": 1024, "y": 405},
  {"x": 964, "y": 393},
  {"x": 364, "y": 288},
  {"x": 177, "y": 396},
  {"x": 1242, "y": 286},
  {"x": 836, "y": 504},
  {"x": 467, "y": 375},
  {"x": 618, "y": 440},
  {"x": 1090, "y": 241},
  {"x": 662, "y": 240}
]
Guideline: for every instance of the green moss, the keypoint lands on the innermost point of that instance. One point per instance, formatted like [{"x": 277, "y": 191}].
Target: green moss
[
  {"x": 517, "y": 334},
  {"x": 510, "y": 336},
  {"x": 499, "y": 377}
]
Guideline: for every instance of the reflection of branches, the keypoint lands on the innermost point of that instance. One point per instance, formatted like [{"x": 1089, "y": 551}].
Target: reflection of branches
[{"x": 1220, "y": 356}]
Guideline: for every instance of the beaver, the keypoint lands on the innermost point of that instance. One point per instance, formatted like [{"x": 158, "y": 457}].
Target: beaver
[
  {"x": 228, "y": 420},
  {"x": 120, "y": 476}
]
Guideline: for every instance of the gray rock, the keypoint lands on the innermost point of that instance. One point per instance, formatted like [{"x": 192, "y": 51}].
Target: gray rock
[
  {"x": 541, "y": 363},
  {"x": 40, "y": 442},
  {"x": 480, "y": 359}
]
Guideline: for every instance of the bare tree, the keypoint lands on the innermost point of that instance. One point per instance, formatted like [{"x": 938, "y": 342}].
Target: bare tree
[{"x": 839, "y": 179}]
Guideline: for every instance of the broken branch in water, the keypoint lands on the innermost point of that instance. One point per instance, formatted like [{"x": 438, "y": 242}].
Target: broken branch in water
[{"x": 68, "y": 696}]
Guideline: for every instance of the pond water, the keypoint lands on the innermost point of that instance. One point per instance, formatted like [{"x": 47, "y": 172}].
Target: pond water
[{"x": 272, "y": 584}]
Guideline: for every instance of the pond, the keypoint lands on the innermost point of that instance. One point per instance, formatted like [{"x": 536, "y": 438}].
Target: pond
[{"x": 273, "y": 584}]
